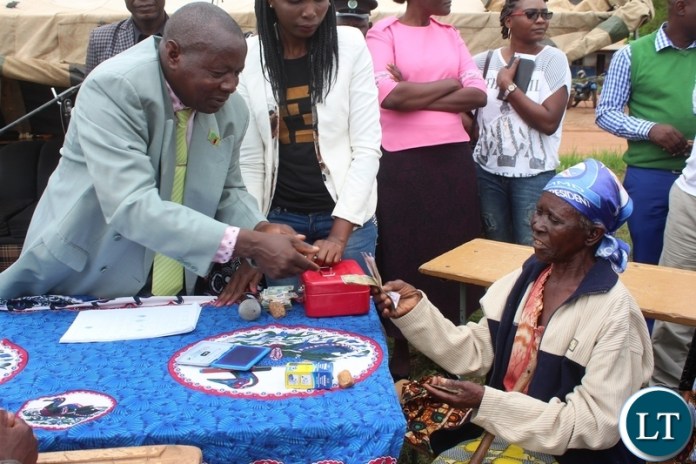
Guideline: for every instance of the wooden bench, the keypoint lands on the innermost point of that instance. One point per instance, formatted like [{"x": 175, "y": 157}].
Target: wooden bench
[
  {"x": 662, "y": 293},
  {"x": 160, "y": 454}
]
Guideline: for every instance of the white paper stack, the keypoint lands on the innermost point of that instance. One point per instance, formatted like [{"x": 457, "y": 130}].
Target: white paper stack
[{"x": 107, "y": 325}]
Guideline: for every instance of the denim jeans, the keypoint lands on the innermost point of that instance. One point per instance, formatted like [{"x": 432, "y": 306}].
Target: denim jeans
[
  {"x": 316, "y": 226},
  {"x": 507, "y": 204}
]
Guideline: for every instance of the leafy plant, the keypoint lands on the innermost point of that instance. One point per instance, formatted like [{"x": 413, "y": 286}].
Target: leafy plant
[{"x": 659, "y": 17}]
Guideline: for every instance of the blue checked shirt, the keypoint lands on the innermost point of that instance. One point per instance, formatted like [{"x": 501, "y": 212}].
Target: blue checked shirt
[{"x": 616, "y": 91}]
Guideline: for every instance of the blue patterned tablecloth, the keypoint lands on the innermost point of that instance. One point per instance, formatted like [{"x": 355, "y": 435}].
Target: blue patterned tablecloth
[{"x": 362, "y": 424}]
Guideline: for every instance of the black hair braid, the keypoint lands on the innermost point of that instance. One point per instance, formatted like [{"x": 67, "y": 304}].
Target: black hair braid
[
  {"x": 508, "y": 8},
  {"x": 323, "y": 53},
  {"x": 271, "y": 51},
  {"x": 323, "y": 56}
]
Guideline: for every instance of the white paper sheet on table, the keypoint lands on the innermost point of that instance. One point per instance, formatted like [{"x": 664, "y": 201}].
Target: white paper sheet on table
[{"x": 106, "y": 325}]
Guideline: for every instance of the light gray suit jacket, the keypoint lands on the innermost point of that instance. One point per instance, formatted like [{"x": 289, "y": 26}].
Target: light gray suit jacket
[{"x": 105, "y": 212}]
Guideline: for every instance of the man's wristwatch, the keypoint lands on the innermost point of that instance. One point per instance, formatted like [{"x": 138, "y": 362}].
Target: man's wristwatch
[{"x": 510, "y": 88}]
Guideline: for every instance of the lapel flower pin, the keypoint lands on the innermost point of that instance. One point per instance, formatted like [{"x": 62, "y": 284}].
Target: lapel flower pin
[{"x": 213, "y": 137}]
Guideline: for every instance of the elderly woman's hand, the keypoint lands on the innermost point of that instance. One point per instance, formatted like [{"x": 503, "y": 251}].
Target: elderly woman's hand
[
  {"x": 458, "y": 393},
  {"x": 409, "y": 297}
]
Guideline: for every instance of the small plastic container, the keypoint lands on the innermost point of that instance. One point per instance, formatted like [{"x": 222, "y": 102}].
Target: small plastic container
[{"x": 309, "y": 375}]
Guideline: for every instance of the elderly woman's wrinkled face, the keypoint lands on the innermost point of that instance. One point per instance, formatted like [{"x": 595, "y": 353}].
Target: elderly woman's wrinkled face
[{"x": 558, "y": 233}]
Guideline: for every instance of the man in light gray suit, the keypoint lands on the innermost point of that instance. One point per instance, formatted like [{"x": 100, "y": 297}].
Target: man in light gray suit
[
  {"x": 106, "y": 210},
  {"x": 147, "y": 18}
]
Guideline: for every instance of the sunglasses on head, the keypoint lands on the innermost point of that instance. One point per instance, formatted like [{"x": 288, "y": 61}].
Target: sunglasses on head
[{"x": 534, "y": 14}]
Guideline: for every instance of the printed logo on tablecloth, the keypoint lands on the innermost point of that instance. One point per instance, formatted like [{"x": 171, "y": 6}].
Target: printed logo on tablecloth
[
  {"x": 13, "y": 360},
  {"x": 383, "y": 460},
  {"x": 67, "y": 409},
  {"x": 358, "y": 354}
]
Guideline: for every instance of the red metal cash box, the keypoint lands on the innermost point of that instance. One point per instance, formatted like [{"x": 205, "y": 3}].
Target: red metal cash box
[{"x": 325, "y": 293}]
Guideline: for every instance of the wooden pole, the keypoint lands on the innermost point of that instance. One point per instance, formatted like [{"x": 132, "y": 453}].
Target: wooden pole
[
  {"x": 487, "y": 437},
  {"x": 480, "y": 453}
]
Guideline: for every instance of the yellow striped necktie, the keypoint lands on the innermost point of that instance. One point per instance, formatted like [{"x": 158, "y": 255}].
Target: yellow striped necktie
[{"x": 167, "y": 273}]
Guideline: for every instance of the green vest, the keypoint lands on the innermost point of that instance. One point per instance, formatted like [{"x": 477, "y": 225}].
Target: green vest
[{"x": 662, "y": 85}]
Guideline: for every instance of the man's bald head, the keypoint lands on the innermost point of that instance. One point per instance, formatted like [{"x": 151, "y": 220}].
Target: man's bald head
[
  {"x": 200, "y": 25},
  {"x": 202, "y": 53}
]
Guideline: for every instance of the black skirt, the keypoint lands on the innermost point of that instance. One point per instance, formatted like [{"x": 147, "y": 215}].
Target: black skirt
[{"x": 427, "y": 205}]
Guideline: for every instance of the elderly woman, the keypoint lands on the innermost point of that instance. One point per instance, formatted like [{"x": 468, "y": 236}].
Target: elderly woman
[{"x": 563, "y": 344}]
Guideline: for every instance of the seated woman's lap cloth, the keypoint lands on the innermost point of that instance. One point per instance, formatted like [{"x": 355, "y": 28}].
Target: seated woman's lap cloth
[
  {"x": 500, "y": 452},
  {"x": 425, "y": 415}
]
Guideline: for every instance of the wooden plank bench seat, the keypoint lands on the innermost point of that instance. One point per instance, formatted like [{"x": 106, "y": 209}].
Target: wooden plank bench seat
[
  {"x": 662, "y": 293},
  {"x": 160, "y": 454}
]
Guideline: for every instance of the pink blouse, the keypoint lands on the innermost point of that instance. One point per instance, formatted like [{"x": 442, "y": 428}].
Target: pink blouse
[{"x": 422, "y": 54}]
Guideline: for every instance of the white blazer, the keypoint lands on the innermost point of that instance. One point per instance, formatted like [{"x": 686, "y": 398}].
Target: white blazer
[{"x": 349, "y": 130}]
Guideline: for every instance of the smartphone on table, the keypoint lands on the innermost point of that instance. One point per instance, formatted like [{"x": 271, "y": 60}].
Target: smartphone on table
[
  {"x": 204, "y": 353},
  {"x": 241, "y": 357}
]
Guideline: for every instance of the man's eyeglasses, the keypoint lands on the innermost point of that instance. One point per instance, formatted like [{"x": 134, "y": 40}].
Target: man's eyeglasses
[{"x": 534, "y": 14}]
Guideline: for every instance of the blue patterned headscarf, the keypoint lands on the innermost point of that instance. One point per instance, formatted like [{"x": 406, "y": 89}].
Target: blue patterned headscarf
[{"x": 592, "y": 189}]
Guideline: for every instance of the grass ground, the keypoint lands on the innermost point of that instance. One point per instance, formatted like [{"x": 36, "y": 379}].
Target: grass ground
[{"x": 422, "y": 366}]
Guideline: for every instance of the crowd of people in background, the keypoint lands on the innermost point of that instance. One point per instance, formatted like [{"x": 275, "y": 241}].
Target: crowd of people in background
[
  {"x": 308, "y": 143},
  {"x": 660, "y": 127}
]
